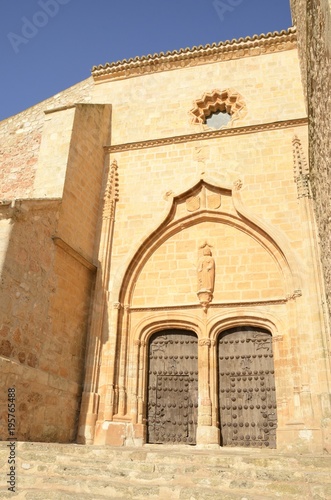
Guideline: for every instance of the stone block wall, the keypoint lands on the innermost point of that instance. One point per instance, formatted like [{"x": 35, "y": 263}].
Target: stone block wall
[
  {"x": 45, "y": 298},
  {"x": 158, "y": 105},
  {"x": 84, "y": 178},
  {"x": 20, "y": 138},
  {"x": 48, "y": 257},
  {"x": 244, "y": 270},
  {"x": 313, "y": 20}
]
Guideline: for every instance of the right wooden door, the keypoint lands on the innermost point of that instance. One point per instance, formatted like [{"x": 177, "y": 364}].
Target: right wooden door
[{"x": 247, "y": 395}]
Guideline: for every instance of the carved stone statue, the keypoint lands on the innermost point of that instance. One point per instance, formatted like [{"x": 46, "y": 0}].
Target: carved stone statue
[
  {"x": 206, "y": 277},
  {"x": 206, "y": 271}
]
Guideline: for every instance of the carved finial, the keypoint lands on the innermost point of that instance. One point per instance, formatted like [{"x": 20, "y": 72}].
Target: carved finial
[
  {"x": 168, "y": 194},
  {"x": 301, "y": 169},
  {"x": 238, "y": 184},
  {"x": 112, "y": 191},
  {"x": 294, "y": 295}
]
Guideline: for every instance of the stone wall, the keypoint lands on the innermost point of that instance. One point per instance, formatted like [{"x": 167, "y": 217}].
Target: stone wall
[
  {"x": 170, "y": 274},
  {"x": 48, "y": 261},
  {"x": 313, "y": 20},
  {"x": 20, "y": 137}
]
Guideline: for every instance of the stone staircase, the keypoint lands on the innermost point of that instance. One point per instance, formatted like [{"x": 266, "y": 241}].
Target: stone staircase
[{"x": 67, "y": 472}]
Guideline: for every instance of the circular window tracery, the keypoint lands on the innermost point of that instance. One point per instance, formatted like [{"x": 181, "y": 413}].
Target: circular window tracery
[{"x": 218, "y": 109}]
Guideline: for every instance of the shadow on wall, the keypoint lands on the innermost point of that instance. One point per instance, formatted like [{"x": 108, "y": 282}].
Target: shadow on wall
[{"x": 44, "y": 308}]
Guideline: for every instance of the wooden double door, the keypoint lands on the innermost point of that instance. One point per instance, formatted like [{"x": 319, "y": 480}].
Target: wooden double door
[{"x": 246, "y": 388}]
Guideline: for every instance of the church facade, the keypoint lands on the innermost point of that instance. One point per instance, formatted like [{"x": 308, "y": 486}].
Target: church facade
[{"x": 160, "y": 262}]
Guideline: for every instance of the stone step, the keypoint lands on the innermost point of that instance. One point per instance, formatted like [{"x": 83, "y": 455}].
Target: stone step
[{"x": 57, "y": 471}]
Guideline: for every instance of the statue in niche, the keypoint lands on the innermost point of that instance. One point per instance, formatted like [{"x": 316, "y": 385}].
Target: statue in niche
[{"x": 206, "y": 270}]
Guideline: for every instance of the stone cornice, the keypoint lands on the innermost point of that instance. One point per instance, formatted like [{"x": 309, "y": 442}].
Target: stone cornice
[
  {"x": 20, "y": 208},
  {"x": 200, "y": 136},
  {"x": 223, "y": 51}
]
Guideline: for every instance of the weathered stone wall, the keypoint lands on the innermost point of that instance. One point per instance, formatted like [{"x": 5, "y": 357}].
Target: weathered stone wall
[
  {"x": 20, "y": 137},
  {"x": 313, "y": 20},
  {"x": 44, "y": 306},
  {"x": 84, "y": 177},
  {"x": 48, "y": 270}
]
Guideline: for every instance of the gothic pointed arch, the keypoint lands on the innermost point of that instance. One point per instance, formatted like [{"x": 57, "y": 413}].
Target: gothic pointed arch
[{"x": 207, "y": 205}]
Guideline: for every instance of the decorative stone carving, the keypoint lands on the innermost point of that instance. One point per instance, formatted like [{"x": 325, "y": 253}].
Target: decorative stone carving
[
  {"x": 238, "y": 184},
  {"x": 214, "y": 201},
  {"x": 228, "y": 100},
  {"x": 111, "y": 192},
  {"x": 205, "y": 342},
  {"x": 206, "y": 276},
  {"x": 205, "y": 199},
  {"x": 207, "y": 134},
  {"x": 193, "y": 203},
  {"x": 294, "y": 295},
  {"x": 168, "y": 194},
  {"x": 301, "y": 170},
  {"x": 201, "y": 153}
]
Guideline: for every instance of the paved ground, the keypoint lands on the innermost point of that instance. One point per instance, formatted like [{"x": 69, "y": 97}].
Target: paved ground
[{"x": 67, "y": 472}]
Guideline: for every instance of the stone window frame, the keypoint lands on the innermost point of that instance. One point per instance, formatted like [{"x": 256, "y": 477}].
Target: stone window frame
[{"x": 228, "y": 100}]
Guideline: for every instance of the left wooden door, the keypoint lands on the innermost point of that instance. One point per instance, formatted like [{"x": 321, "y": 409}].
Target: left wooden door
[{"x": 172, "y": 387}]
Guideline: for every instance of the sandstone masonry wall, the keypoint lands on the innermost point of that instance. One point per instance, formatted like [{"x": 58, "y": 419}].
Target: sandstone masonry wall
[
  {"x": 313, "y": 20},
  {"x": 20, "y": 137},
  {"x": 48, "y": 272}
]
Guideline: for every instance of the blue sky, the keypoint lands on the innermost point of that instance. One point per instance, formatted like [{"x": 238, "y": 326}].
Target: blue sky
[{"x": 48, "y": 45}]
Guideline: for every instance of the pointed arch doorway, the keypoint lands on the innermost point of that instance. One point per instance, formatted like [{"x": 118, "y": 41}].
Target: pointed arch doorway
[
  {"x": 172, "y": 407},
  {"x": 247, "y": 397}
]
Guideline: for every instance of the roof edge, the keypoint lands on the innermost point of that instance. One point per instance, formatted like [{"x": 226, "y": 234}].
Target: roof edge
[{"x": 230, "y": 49}]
